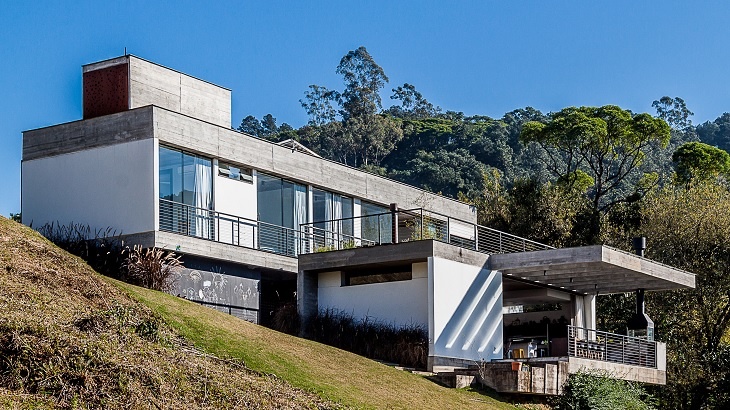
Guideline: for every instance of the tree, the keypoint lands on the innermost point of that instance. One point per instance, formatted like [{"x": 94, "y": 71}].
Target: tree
[
  {"x": 251, "y": 125},
  {"x": 689, "y": 227},
  {"x": 373, "y": 137},
  {"x": 444, "y": 171},
  {"x": 699, "y": 161},
  {"x": 363, "y": 80},
  {"x": 413, "y": 104},
  {"x": 608, "y": 143},
  {"x": 318, "y": 102},
  {"x": 268, "y": 127},
  {"x": 675, "y": 112},
  {"x": 717, "y": 132}
]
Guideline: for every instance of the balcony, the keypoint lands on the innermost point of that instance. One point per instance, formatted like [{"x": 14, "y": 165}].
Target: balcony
[{"x": 378, "y": 229}]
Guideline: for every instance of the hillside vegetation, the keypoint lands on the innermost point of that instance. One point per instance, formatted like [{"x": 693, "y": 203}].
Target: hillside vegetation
[{"x": 72, "y": 338}]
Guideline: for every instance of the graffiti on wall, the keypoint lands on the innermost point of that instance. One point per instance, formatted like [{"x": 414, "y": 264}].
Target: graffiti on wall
[{"x": 219, "y": 288}]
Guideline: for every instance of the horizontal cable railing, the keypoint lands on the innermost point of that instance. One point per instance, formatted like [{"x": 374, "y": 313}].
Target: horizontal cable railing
[
  {"x": 413, "y": 225},
  {"x": 611, "y": 347},
  {"x": 230, "y": 229},
  {"x": 344, "y": 233}
]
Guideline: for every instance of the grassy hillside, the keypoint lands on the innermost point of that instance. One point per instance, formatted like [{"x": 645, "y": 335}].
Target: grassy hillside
[{"x": 69, "y": 337}]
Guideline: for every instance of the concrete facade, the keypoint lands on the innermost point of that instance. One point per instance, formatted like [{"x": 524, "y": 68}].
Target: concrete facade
[{"x": 103, "y": 171}]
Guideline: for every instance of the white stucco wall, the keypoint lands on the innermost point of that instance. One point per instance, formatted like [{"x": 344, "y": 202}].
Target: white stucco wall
[
  {"x": 237, "y": 198},
  {"x": 111, "y": 186},
  {"x": 400, "y": 302},
  {"x": 465, "y": 311}
]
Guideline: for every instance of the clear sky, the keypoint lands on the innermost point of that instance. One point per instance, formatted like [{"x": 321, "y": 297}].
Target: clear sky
[{"x": 480, "y": 57}]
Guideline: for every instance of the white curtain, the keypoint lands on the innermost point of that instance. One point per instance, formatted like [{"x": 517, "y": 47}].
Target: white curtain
[
  {"x": 203, "y": 198},
  {"x": 300, "y": 213}
]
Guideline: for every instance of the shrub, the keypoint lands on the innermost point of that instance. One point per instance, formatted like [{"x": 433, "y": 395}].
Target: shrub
[
  {"x": 152, "y": 268},
  {"x": 102, "y": 249},
  {"x": 599, "y": 391},
  {"x": 286, "y": 319},
  {"x": 407, "y": 345}
]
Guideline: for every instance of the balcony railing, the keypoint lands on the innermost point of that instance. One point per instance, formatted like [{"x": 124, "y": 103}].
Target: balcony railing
[
  {"x": 388, "y": 227},
  {"x": 216, "y": 226},
  {"x": 610, "y": 347},
  {"x": 412, "y": 225}
]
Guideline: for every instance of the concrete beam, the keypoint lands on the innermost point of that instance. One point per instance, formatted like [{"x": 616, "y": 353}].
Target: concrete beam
[{"x": 591, "y": 268}]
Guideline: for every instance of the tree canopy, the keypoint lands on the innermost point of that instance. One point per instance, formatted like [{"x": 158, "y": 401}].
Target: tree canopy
[{"x": 608, "y": 143}]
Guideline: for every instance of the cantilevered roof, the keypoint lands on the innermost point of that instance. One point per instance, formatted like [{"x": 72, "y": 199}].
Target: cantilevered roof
[{"x": 591, "y": 269}]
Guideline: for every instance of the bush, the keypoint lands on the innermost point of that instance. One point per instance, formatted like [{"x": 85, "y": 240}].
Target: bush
[
  {"x": 407, "y": 345},
  {"x": 599, "y": 391},
  {"x": 102, "y": 249},
  {"x": 152, "y": 268}
]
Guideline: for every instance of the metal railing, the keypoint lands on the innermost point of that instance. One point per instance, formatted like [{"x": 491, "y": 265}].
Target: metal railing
[
  {"x": 611, "y": 347},
  {"x": 216, "y": 226},
  {"x": 344, "y": 233},
  {"x": 248, "y": 314},
  {"x": 412, "y": 225}
]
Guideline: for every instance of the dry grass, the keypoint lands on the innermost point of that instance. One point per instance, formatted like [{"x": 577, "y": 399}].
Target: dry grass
[{"x": 71, "y": 340}]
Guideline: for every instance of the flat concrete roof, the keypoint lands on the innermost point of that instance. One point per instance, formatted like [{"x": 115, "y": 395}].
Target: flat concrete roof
[
  {"x": 591, "y": 269},
  {"x": 388, "y": 255}
]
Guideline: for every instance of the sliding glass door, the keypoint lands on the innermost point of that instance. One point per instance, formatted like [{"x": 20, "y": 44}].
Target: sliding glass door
[
  {"x": 282, "y": 207},
  {"x": 186, "y": 193}
]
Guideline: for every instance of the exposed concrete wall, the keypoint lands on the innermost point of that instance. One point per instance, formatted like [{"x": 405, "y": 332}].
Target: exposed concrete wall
[
  {"x": 105, "y": 187},
  {"x": 621, "y": 371},
  {"x": 465, "y": 311},
  {"x": 228, "y": 145},
  {"x": 399, "y": 303},
  {"x": 152, "y": 84},
  {"x": 225, "y": 252},
  {"x": 86, "y": 134}
]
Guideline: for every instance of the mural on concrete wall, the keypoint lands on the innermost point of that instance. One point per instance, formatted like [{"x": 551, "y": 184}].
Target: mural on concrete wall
[{"x": 214, "y": 287}]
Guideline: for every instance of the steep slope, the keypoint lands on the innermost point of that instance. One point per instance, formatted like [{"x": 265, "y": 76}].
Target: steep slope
[{"x": 70, "y": 339}]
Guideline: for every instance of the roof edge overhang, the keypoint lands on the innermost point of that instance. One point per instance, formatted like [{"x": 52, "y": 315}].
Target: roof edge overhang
[{"x": 597, "y": 269}]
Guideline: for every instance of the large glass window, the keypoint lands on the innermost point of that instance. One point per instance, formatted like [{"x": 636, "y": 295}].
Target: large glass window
[
  {"x": 186, "y": 193},
  {"x": 282, "y": 207},
  {"x": 333, "y": 221},
  {"x": 376, "y": 223}
]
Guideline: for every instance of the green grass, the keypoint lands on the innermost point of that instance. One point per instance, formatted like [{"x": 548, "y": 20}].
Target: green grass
[{"x": 332, "y": 373}]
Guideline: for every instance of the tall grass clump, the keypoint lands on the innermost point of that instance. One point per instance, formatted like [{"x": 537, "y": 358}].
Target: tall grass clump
[
  {"x": 102, "y": 249},
  {"x": 152, "y": 268},
  {"x": 406, "y": 345}
]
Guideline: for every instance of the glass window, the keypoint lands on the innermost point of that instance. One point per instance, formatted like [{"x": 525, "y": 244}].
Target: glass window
[
  {"x": 282, "y": 207},
  {"x": 376, "y": 223},
  {"x": 186, "y": 193},
  {"x": 333, "y": 213},
  {"x": 235, "y": 172}
]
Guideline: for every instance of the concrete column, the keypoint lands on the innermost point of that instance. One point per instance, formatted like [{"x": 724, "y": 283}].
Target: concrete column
[
  {"x": 589, "y": 311},
  {"x": 307, "y": 297}
]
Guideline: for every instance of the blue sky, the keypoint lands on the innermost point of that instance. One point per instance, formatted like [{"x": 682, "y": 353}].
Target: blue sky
[{"x": 481, "y": 57}]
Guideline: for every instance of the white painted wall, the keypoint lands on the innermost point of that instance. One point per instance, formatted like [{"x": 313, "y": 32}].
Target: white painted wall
[
  {"x": 465, "y": 311},
  {"x": 237, "y": 198},
  {"x": 399, "y": 303},
  {"x": 111, "y": 186}
]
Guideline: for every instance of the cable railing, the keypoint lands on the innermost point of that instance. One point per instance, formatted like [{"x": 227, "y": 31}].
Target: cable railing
[
  {"x": 406, "y": 225},
  {"x": 230, "y": 229},
  {"x": 343, "y": 233},
  {"x": 611, "y": 347}
]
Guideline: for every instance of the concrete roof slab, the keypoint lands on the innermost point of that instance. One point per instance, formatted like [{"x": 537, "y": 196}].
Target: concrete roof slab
[{"x": 592, "y": 269}]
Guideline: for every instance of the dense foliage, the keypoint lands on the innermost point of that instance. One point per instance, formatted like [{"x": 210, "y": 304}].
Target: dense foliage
[
  {"x": 597, "y": 391},
  {"x": 579, "y": 176}
]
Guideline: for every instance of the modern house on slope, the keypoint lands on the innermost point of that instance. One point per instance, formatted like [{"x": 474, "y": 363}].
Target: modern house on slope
[{"x": 155, "y": 158}]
